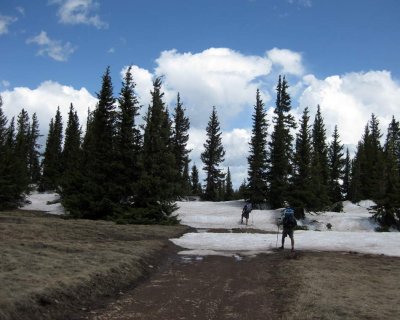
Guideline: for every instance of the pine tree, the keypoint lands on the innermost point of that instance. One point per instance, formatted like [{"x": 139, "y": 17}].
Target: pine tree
[
  {"x": 229, "y": 193},
  {"x": 186, "y": 182},
  {"x": 52, "y": 155},
  {"x": 257, "y": 160},
  {"x": 280, "y": 153},
  {"x": 336, "y": 167},
  {"x": 33, "y": 153},
  {"x": 319, "y": 162},
  {"x": 157, "y": 184},
  {"x": 301, "y": 194},
  {"x": 388, "y": 206},
  {"x": 180, "y": 139},
  {"x": 212, "y": 156},
  {"x": 71, "y": 160},
  {"x": 128, "y": 139},
  {"x": 346, "y": 176},
  {"x": 21, "y": 151},
  {"x": 10, "y": 188},
  {"x": 195, "y": 182}
]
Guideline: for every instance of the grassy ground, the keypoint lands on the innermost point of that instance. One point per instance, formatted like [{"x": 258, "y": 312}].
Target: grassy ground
[
  {"x": 50, "y": 267},
  {"x": 329, "y": 285}
]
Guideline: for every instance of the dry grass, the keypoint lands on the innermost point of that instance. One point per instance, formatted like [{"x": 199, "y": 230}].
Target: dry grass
[
  {"x": 50, "y": 267},
  {"x": 344, "y": 286}
]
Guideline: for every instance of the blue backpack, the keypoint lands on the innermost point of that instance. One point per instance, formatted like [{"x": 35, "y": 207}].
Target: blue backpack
[{"x": 289, "y": 221}]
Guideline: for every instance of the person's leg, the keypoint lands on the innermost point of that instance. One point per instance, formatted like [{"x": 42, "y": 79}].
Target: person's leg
[
  {"x": 247, "y": 220},
  {"x": 284, "y": 233},
  {"x": 292, "y": 240}
]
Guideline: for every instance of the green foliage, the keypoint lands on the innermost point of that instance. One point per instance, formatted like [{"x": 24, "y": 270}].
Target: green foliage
[
  {"x": 52, "y": 163},
  {"x": 257, "y": 159},
  {"x": 336, "y": 167},
  {"x": 280, "y": 147},
  {"x": 346, "y": 176},
  {"x": 229, "y": 193},
  {"x": 212, "y": 156},
  {"x": 33, "y": 151},
  {"x": 195, "y": 182}
]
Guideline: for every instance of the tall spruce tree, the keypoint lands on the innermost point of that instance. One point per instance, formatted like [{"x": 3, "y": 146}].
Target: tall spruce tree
[
  {"x": 301, "y": 194},
  {"x": 157, "y": 184},
  {"x": 212, "y": 157},
  {"x": 180, "y": 139},
  {"x": 229, "y": 193},
  {"x": 34, "y": 153},
  {"x": 257, "y": 160},
  {"x": 336, "y": 167},
  {"x": 99, "y": 197},
  {"x": 346, "y": 176},
  {"x": 21, "y": 151},
  {"x": 319, "y": 162},
  {"x": 280, "y": 153},
  {"x": 52, "y": 166},
  {"x": 71, "y": 160},
  {"x": 128, "y": 139},
  {"x": 388, "y": 206},
  {"x": 195, "y": 182}
]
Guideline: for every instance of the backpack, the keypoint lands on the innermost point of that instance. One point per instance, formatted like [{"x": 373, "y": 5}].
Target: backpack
[{"x": 289, "y": 221}]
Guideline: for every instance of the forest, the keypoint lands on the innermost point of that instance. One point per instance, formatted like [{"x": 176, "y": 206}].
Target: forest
[{"x": 129, "y": 173}]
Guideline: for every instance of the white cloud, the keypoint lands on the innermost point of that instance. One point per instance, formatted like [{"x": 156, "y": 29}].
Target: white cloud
[
  {"x": 290, "y": 61},
  {"x": 350, "y": 99},
  {"x": 45, "y": 99},
  {"x": 218, "y": 77},
  {"x": 111, "y": 50},
  {"x": 304, "y": 3},
  {"x": 79, "y": 12},
  {"x": 5, "y": 21},
  {"x": 55, "y": 49},
  {"x": 5, "y": 83}
]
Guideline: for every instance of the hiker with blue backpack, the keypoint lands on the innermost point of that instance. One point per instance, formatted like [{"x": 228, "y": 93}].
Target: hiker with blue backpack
[
  {"x": 246, "y": 212},
  {"x": 289, "y": 223}
]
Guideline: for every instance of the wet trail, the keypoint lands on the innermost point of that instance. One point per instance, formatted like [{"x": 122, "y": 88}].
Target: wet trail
[{"x": 211, "y": 287}]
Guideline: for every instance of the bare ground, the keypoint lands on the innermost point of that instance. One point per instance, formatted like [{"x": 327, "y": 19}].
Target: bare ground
[{"x": 311, "y": 285}]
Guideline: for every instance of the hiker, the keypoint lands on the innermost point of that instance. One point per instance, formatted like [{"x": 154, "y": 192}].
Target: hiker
[
  {"x": 245, "y": 212},
  {"x": 289, "y": 223}
]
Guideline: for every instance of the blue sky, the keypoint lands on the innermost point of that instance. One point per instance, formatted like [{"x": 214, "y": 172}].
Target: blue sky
[{"x": 343, "y": 55}]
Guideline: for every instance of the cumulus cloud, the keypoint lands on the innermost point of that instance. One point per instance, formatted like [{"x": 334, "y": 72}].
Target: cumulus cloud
[
  {"x": 45, "y": 99},
  {"x": 349, "y": 100},
  {"x": 218, "y": 77},
  {"x": 5, "y": 22},
  {"x": 79, "y": 12},
  {"x": 21, "y": 10},
  {"x": 289, "y": 61},
  {"x": 55, "y": 49}
]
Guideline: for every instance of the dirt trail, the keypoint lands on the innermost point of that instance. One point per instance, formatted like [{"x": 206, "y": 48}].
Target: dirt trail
[
  {"x": 314, "y": 285},
  {"x": 211, "y": 287}
]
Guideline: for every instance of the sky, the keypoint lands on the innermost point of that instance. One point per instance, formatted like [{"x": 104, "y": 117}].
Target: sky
[{"x": 342, "y": 55}]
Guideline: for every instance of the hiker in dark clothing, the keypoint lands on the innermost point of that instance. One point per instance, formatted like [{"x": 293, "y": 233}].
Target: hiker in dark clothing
[
  {"x": 289, "y": 223},
  {"x": 246, "y": 212}
]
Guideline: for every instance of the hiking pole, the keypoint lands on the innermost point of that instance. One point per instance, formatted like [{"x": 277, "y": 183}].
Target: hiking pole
[{"x": 277, "y": 234}]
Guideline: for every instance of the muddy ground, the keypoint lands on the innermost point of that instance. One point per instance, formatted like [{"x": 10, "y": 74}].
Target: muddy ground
[{"x": 310, "y": 285}]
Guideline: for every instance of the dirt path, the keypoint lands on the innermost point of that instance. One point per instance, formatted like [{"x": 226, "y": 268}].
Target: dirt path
[
  {"x": 315, "y": 285},
  {"x": 211, "y": 287}
]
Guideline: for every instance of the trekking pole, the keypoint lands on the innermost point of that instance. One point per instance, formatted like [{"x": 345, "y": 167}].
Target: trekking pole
[{"x": 277, "y": 234}]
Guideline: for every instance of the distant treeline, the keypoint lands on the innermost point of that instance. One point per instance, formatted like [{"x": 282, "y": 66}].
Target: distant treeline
[{"x": 133, "y": 174}]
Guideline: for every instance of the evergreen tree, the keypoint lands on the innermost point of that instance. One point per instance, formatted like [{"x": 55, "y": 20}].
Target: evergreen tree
[
  {"x": 157, "y": 184},
  {"x": 186, "y": 182},
  {"x": 257, "y": 160},
  {"x": 229, "y": 193},
  {"x": 180, "y": 139},
  {"x": 195, "y": 182},
  {"x": 346, "y": 176},
  {"x": 336, "y": 167},
  {"x": 301, "y": 194},
  {"x": 319, "y": 163},
  {"x": 280, "y": 153},
  {"x": 52, "y": 155},
  {"x": 21, "y": 151},
  {"x": 71, "y": 160},
  {"x": 33, "y": 153},
  {"x": 98, "y": 196},
  {"x": 10, "y": 188},
  {"x": 212, "y": 156},
  {"x": 388, "y": 206},
  {"x": 3, "y": 126},
  {"x": 128, "y": 139}
]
